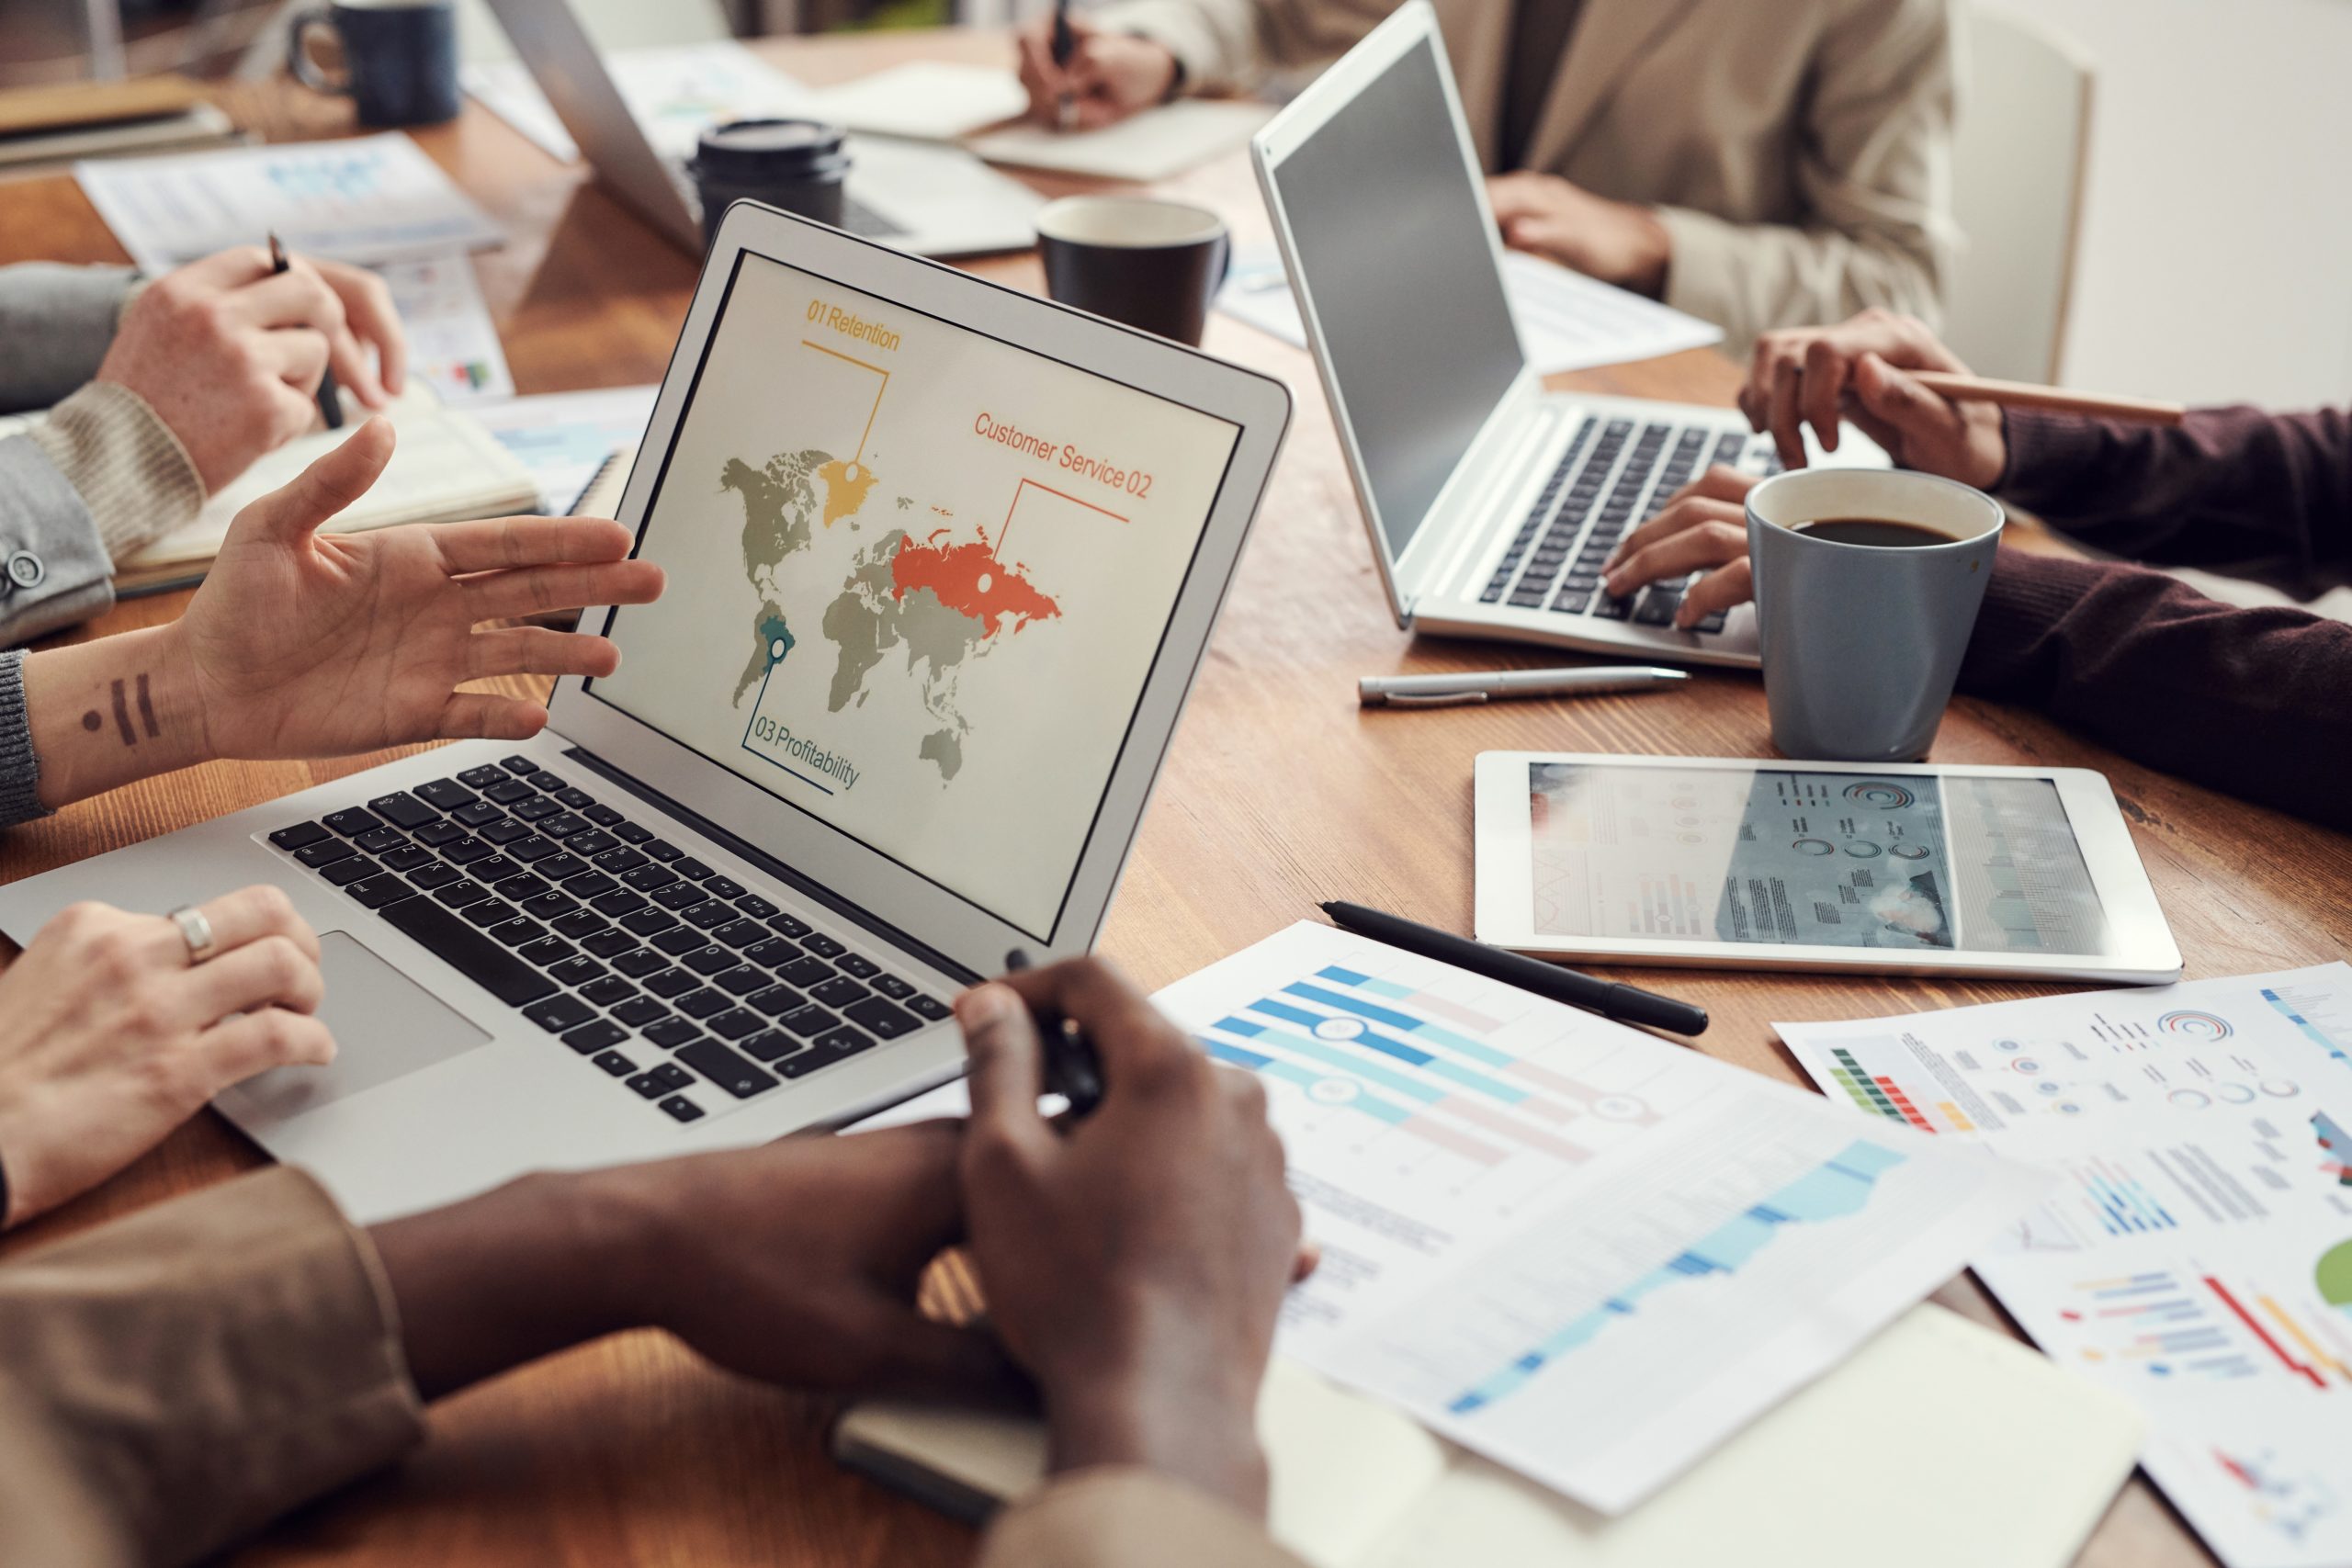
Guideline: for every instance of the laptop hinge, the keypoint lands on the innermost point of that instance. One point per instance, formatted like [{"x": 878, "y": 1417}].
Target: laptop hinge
[{"x": 864, "y": 919}]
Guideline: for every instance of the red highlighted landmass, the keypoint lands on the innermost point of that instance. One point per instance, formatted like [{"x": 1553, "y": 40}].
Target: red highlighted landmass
[{"x": 970, "y": 580}]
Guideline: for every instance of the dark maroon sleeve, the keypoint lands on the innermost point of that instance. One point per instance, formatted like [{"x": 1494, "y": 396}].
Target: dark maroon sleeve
[
  {"x": 2257, "y": 702},
  {"x": 2230, "y": 486}
]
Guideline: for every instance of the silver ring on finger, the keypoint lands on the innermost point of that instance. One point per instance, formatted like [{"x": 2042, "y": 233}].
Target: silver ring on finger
[{"x": 195, "y": 930}]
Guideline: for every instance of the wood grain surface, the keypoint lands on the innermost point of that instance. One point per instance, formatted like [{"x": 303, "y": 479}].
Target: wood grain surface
[{"x": 1278, "y": 792}]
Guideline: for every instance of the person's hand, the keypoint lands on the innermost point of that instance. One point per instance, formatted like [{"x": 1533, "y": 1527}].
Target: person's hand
[
  {"x": 796, "y": 1262},
  {"x": 1134, "y": 1264},
  {"x": 109, "y": 1037},
  {"x": 1616, "y": 242},
  {"x": 1703, "y": 528},
  {"x": 1856, "y": 370},
  {"x": 230, "y": 354},
  {"x": 1109, "y": 78},
  {"x": 303, "y": 644}
]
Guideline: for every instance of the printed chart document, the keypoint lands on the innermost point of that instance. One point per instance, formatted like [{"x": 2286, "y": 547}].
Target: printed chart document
[
  {"x": 1156, "y": 145},
  {"x": 2197, "y": 1254},
  {"x": 1572, "y": 1248},
  {"x": 368, "y": 200},
  {"x": 926, "y": 100},
  {"x": 564, "y": 437},
  {"x": 1566, "y": 320},
  {"x": 675, "y": 92},
  {"x": 452, "y": 343}
]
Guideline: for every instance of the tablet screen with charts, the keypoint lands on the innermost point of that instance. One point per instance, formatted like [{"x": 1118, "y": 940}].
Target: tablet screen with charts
[{"x": 1815, "y": 865}]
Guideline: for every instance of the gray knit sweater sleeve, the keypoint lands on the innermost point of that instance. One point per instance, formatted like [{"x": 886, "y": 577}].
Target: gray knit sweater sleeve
[{"x": 19, "y": 769}]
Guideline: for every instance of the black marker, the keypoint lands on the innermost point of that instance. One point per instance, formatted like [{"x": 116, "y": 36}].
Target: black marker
[
  {"x": 1073, "y": 1069},
  {"x": 1608, "y": 997}
]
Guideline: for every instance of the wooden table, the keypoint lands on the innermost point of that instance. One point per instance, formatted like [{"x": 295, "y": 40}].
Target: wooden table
[{"x": 1279, "y": 791}]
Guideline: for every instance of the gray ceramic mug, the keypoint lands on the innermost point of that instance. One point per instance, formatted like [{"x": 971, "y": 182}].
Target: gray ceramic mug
[{"x": 1861, "y": 642}]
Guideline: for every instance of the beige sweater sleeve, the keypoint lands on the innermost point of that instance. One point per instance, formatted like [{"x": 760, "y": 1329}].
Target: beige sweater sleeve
[
  {"x": 174, "y": 1380},
  {"x": 1116, "y": 1517},
  {"x": 131, "y": 472}
]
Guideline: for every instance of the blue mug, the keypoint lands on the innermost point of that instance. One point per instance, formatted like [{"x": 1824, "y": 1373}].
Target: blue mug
[{"x": 399, "y": 58}]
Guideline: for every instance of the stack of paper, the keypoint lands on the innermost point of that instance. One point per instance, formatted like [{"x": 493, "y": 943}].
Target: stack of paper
[
  {"x": 1158, "y": 144},
  {"x": 925, "y": 101}
]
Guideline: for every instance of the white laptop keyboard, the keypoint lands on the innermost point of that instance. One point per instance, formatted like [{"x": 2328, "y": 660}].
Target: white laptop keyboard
[
  {"x": 666, "y": 974},
  {"x": 1615, "y": 473}
]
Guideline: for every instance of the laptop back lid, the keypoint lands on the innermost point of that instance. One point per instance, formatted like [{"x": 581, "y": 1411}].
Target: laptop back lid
[
  {"x": 942, "y": 558},
  {"x": 1402, "y": 292}
]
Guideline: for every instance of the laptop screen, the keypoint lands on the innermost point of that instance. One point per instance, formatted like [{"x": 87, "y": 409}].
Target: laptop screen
[
  {"x": 1388, "y": 227},
  {"x": 918, "y": 578}
]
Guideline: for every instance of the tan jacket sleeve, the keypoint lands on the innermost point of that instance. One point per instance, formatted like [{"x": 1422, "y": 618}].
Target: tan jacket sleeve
[
  {"x": 173, "y": 1381},
  {"x": 1127, "y": 1519},
  {"x": 1873, "y": 171},
  {"x": 1237, "y": 44}
]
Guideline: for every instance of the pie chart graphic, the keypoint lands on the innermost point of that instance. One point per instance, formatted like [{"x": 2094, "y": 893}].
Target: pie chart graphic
[
  {"x": 2334, "y": 1277},
  {"x": 2195, "y": 1025},
  {"x": 1814, "y": 847},
  {"x": 1880, "y": 795}
]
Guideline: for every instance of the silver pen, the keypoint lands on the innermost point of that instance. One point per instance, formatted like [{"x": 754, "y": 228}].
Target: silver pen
[{"x": 1486, "y": 685}]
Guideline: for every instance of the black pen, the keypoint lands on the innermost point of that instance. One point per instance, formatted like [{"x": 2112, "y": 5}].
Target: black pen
[
  {"x": 1610, "y": 998},
  {"x": 1065, "y": 44},
  {"x": 330, "y": 401},
  {"x": 1073, "y": 1067}
]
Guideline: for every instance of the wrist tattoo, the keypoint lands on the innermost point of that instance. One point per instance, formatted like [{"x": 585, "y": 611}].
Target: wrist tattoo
[{"x": 91, "y": 720}]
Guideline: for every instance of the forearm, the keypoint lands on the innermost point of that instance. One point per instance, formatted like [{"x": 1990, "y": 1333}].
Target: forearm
[
  {"x": 1752, "y": 278},
  {"x": 2250, "y": 702},
  {"x": 110, "y": 710},
  {"x": 2226, "y": 486},
  {"x": 1235, "y": 43}
]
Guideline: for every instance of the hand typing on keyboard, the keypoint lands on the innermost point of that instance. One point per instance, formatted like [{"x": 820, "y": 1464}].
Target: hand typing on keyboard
[{"x": 1702, "y": 529}]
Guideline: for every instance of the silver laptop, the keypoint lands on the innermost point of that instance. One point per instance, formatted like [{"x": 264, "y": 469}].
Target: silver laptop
[
  {"x": 942, "y": 560},
  {"x": 932, "y": 200},
  {"x": 1490, "y": 503}
]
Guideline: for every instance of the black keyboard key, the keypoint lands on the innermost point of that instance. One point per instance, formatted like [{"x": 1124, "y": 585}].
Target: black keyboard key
[
  {"x": 578, "y": 799},
  {"x": 636, "y": 962},
  {"x": 548, "y": 906},
  {"x": 737, "y": 1074},
  {"x": 692, "y": 867},
  {"x": 483, "y": 777},
  {"x": 300, "y": 834},
  {"x": 681, "y": 1108},
  {"x": 823, "y": 946},
  {"x": 709, "y": 914},
  {"x": 465, "y": 850},
  {"x": 344, "y": 873},
  {"x": 650, "y": 1087},
  {"x": 1609, "y": 607},
  {"x": 772, "y": 952},
  {"x": 518, "y": 932},
  {"x": 672, "y": 1033},
  {"x": 707, "y": 960},
  {"x": 678, "y": 894},
  {"x": 777, "y": 1000},
  {"x": 592, "y": 842},
  {"x": 402, "y": 809},
  {"x": 735, "y": 1024},
  {"x": 613, "y": 1062},
  {"x": 575, "y": 970},
  {"x": 563, "y": 824},
  {"x": 607, "y": 943},
  {"x": 494, "y": 870},
  {"x": 508, "y": 792},
  {"x": 631, "y": 833},
  {"x": 671, "y": 983},
  {"x": 855, "y": 964},
  {"x": 559, "y": 1013},
  {"x": 477, "y": 957},
  {"x": 840, "y": 992},
  {"x": 617, "y": 904},
  {"x": 679, "y": 942},
  {"x": 843, "y": 1042},
  {"x": 648, "y": 922},
  {"x": 641, "y": 1011},
  {"x": 701, "y": 1003},
  {"x": 1572, "y": 602},
  {"x": 651, "y": 878},
  {"x": 805, "y": 972},
  {"x": 531, "y": 849},
  {"x": 589, "y": 884},
  {"x": 547, "y": 951},
  {"x": 408, "y": 857},
  {"x": 593, "y": 1037},
  {"x": 809, "y": 1022},
  {"x": 445, "y": 794},
  {"x": 618, "y": 860},
  {"x": 740, "y": 981},
  {"x": 538, "y": 810},
  {"x": 353, "y": 822},
  {"x": 892, "y": 985},
  {"x": 885, "y": 1019},
  {"x": 754, "y": 906},
  {"x": 769, "y": 1046},
  {"x": 662, "y": 850},
  {"x": 488, "y": 912},
  {"x": 560, "y": 867},
  {"x": 833, "y": 1047},
  {"x": 521, "y": 885},
  {"x": 518, "y": 766},
  {"x": 432, "y": 875},
  {"x": 435, "y": 834},
  {"x": 789, "y": 925},
  {"x": 741, "y": 934},
  {"x": 1657, "y": 609},
  {"x": 550, "y": 784},
  {"x": 315, "y": 855},
  {"x": 603, "y": 815},
  {"x": 479, "y": 813},
  {"x": 722, "y": 886},
  {"x": 460, "y": 893},
  {"x": 610, "y": 991},
  {"x": 931, "y": 1007},
  {"x": 580, "y": 925}
]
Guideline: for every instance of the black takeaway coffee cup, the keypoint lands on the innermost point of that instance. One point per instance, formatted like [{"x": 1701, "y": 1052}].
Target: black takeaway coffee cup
[
  {"x": 1151, "y": 264},
  {"x": 798, "y": 165}
]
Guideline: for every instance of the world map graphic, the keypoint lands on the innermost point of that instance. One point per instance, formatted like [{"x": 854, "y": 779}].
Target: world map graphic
[{"x": 945, "y": 599}]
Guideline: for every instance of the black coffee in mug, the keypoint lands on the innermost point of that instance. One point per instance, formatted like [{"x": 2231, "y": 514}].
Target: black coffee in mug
[
  {"x": 1151, "y": 264},
  {"x": 399, "y": 58},
  {"x": 1875, "y": 532}
]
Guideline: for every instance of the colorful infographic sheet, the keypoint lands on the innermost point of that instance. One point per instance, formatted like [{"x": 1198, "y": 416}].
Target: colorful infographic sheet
[
  {"x": 2197, "y": 1251},
  {"x": 1580, "y": 1250}
]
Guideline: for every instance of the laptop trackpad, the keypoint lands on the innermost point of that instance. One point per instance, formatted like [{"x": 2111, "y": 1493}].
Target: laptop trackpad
[{"x": 386, "y": 1026}]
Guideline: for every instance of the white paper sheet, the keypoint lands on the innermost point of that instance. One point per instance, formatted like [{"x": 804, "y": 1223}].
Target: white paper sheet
[
  {"x": 1566, "y": 320},
  {"x": 452, "y": 345},
  {"x": 1158, "y": 144},
  {"x": 371, "y": 199},
  {"x": 675, "y": 92},
  {"x": 1585, "y": 1253},
  {"x": 2197, "y": 1254},
  {"x": 564, "y": 437},
  {"x": 927, "y": 100}
]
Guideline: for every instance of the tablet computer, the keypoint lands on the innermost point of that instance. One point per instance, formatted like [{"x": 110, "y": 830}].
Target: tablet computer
[{"x": 1722, "y": 860}]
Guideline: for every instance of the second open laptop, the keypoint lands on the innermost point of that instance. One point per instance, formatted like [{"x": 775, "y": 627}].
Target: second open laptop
[
  {"x": 1490, "y": 503},
  {"x": 933, "y": 201},
  {"x": 942, "y": 560}
]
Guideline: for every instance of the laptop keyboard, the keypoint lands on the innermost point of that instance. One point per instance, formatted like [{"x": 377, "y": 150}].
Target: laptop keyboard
[
  {"x": 642, "y": 959},
  {"x": 1615, "y": 473}
]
